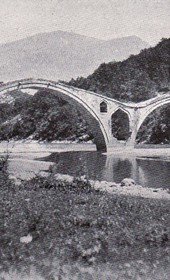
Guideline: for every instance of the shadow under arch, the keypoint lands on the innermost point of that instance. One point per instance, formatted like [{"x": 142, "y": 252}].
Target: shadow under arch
[
  {"x": 120, "y": 124},
  {"x": 62, "y": 91},
  {"x": 155, "y": 126}
]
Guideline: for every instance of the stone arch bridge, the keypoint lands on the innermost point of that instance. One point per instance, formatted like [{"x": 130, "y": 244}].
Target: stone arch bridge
[{"x": 97, "y": 109}]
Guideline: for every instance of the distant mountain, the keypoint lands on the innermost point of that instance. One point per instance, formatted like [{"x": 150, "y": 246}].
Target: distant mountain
[
  {"x": 137, "y": 78},
  {"x": 62, "y": 55}
]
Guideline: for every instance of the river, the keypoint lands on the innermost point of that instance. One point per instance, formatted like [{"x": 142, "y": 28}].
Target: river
[{"x": 148, "y": 167}]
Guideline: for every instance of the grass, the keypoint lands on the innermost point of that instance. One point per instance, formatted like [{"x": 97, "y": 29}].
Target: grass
[{"x": 79, "y": 233}]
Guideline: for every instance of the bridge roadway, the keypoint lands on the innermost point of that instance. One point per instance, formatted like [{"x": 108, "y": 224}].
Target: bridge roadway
[{"x": 97, "y": 109}]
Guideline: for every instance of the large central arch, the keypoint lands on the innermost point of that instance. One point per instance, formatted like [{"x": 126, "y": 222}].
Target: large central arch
[{"x": 68, "y": 94}]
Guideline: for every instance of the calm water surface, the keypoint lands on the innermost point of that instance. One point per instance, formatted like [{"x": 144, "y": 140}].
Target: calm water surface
[{"x": 151, "y": 172}]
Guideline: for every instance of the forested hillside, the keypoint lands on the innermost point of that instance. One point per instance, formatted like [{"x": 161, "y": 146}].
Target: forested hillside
[
  {"x": 156, "y": 128},
  {"x": 137, "y": 78},
  {"x": 43, "y": 116}
]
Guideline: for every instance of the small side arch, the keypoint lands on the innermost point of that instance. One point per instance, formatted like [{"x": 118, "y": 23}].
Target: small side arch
[{"x": 103, "y": 107}]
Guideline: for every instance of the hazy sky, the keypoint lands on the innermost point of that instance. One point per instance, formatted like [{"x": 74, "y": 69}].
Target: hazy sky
[{"x": 104, "y": 19}]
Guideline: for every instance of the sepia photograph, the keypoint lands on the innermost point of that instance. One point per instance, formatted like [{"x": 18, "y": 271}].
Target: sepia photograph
[{"x": 84, "y": 139}]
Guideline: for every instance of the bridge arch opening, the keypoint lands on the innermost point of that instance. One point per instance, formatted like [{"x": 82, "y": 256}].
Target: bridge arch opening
[
  {"x": 103, "y": 107},
  {"x": 120, "y": 125},
  {"x": 155, "y": 128},
  {"x": 94, "y": 123}
]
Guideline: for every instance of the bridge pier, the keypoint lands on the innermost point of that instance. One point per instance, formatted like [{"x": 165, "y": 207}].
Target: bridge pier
[{"x": 133, "y": 128}]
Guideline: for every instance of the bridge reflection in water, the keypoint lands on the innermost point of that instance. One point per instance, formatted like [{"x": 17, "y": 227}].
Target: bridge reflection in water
[
  {"x": 121, "y": 167},
  {"x": 113, "y": 168}
]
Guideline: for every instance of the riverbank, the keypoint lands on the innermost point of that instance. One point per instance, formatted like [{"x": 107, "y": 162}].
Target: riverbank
[
  {"x": 133, "y": 190},
  {"x": 35, "y": 146},
  {"x": 24, "y": 155},
  {"x": 43, "y": 147},
  {"x": 58, "y": 227},
  {"x": 118, "y": 189},
  {"x": 150, "y": 151}
]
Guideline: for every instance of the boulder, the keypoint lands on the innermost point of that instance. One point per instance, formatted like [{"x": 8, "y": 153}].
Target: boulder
[
  {"x": 127, "y": 182},
  {"x": 64, "y": 177}
]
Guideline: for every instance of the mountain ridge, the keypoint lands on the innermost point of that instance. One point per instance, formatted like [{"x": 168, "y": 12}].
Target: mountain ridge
[
  {"x": 61, "y": 55},
  {"x": 68, "y": 33}
]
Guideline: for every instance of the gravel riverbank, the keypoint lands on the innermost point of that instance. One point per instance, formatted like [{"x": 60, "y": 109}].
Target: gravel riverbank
[{"x": 130, "y": 190}]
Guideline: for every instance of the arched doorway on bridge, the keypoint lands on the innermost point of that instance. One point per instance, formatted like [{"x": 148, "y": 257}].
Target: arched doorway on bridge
[
  {"x": 155, "y": 129},
  {"x": 120, "y": 125},
  {"x": 103, "y": 107}
]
